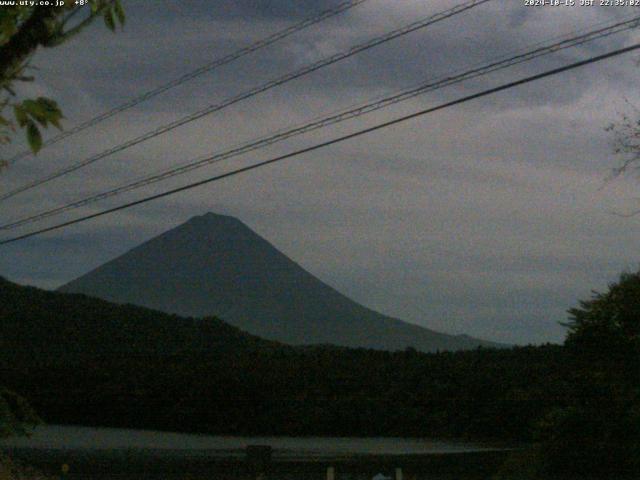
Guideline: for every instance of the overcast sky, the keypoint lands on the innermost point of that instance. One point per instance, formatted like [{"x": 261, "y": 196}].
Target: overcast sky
[{"x": 491, "y": 218}]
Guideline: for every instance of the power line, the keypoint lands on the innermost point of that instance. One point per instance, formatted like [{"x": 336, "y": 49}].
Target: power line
[
  {"x": 265, "y": 42},
  {"x": 327, "y": 143},
  {"x": 337, "y": 118},
  {"x": 253, "y": 92}
]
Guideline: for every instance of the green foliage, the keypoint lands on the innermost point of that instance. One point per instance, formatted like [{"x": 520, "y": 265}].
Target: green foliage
[
  {"x": 114, "y": 15},
  {"x": 16, "y": 416},
  {"x": 13, "y": 470},
  {"x": 31, "y": 113},
  {"x": 608, "y": 325},
  {"x": 6, "y": 130},
  {"x": 597, "y": 434},
  {"x": 24, "y": 29},
  {"x": 10, "y": 20},
  {"x": 118, "y": 11}
]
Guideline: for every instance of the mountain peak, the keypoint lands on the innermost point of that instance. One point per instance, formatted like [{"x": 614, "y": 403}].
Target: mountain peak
[
  {"x": 213, "y": 218},
  {"x": 216, "y": 265}
]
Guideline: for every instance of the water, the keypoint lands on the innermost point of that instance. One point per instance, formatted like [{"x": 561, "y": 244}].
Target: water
[
  {"x": 121, "y": 454},
  {"x": 71, "y": 437}
]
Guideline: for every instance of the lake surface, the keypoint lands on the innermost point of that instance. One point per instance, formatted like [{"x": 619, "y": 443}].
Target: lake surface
[
  {"x": 120, "y": 454},
  {"x": 71, "y": 437}
]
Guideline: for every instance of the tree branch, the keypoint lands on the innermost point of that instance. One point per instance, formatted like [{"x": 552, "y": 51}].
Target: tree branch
[{"x": 35, "y": 31}]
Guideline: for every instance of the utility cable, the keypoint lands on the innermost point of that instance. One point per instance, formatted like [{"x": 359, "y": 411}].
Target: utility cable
[
  {"x": 251, "y": 93},
  {"x": 335, "y": 118},
  {"x": 333, "y": 141},
  {"x": 270, "y": 40}
]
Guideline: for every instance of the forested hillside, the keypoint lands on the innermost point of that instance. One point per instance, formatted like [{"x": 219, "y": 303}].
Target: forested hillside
[{"x": 85, "y": 361}]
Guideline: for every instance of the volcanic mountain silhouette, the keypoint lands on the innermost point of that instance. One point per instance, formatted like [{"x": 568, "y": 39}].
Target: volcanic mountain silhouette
[{"x": 216, "y": 265}]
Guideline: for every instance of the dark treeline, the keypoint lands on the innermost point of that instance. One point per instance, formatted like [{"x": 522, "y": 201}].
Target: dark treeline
[
  {"x": 321, "y": 391},
  {"x": 81, "y": 360}
]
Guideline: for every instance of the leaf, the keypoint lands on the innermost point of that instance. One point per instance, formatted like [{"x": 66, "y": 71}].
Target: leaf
[
  {"x": 34, "y": 137},
  {"x": 43, "y": 110},
  {"x": 56, "y": 123},
  {"x": 54, "y": 112},
  {"x": 21, "y": 115},
  {"x": 49, "y": 104},
  {"x": 109, "y": 20},
  {"x": 119, "y": 11},
  {"x": 36, "y": 110}
]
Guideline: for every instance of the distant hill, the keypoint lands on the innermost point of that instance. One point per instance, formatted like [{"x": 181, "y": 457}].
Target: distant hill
[
  {"x": 216, "y": 265},
  {"x": 42, "y": 326}
]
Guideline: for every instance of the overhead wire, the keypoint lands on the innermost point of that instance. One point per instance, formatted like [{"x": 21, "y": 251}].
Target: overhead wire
[
  {"x": 428, "y": 86},
  {"x": 404, "y": 118},
  {"x": 265, "y": 42},
  {"x": 422, "y": 23}
]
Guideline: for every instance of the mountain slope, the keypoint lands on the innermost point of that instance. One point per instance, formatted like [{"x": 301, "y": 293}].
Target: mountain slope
[{"x": 216, "y": 265}]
